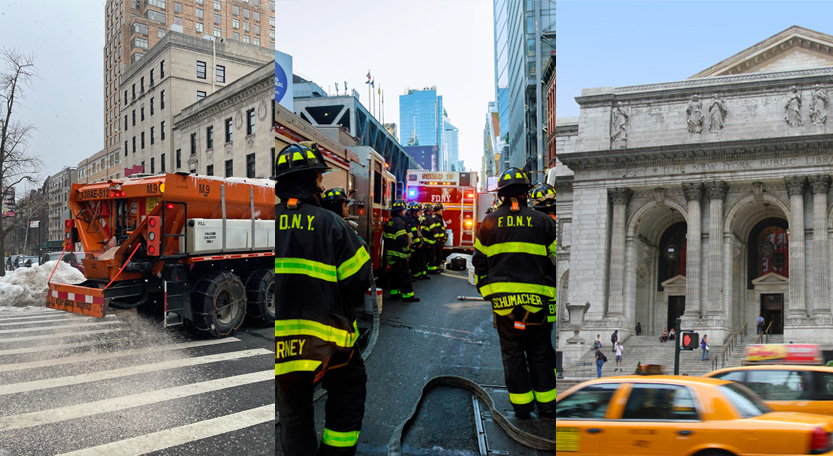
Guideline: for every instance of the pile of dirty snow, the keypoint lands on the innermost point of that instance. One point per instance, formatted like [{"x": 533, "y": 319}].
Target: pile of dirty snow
[{"x": 28, "y": 286}]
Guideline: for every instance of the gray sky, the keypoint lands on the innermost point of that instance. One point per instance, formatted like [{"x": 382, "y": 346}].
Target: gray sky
[
  {"x": 405, "y": 44},
  {"x": 66, "y": 38}
]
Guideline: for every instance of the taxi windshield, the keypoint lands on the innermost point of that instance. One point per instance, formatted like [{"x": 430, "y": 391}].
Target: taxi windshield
[{"x": 744, "y": 400}]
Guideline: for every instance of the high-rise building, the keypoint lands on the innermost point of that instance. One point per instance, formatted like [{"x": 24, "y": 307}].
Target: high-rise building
[
  {"x": 421, "y": 120},
  {"x": 132, "y": 27},
  {"x": 450, "y": 145},
  {"x": 529, "y": 41}
]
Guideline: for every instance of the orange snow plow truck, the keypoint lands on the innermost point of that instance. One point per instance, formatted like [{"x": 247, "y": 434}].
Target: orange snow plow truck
[{"x": 199, "y": 249}]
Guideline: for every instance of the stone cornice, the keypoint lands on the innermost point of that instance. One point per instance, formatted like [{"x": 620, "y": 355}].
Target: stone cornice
[
  {"x": 220, "y": 104},
  {"x": 699, "y": 153},
  {"x": 707, "y": 85}
]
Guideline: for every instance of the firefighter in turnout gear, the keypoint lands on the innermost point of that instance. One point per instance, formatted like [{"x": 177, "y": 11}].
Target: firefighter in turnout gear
[
  {"x": 427, "y": 228},
  {"x": 514, "y": 271},
  {"x": 417, "y": 261},
  {"x": 398, "y": 245},
  {"x": 322, "y": 271},
  {"x": 440, "y": 236},
  {"x": 336, "y": 201},
  {"x": 542, "y": 198}
]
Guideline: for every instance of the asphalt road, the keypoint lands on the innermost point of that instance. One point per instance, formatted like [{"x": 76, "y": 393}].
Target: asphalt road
[
  {"x": 123, "y": 385},
  {"x": 439, "y": 335}
]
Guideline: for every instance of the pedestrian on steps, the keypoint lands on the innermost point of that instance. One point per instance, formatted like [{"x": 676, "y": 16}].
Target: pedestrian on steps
[
  {"x": 613, "y": 338},
  {"x": 705, "y": 346},
  {"x": 619, "y": 350},
  {"x": 600, "y": 360}
]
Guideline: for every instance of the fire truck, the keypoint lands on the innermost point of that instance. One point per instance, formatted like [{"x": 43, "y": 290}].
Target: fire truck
[
  {"x": 457, "y": 191},
  {"x": 198, "y": 248}
]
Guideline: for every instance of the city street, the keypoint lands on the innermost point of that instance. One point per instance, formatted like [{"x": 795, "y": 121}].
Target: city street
[
  {"x": 77, "y": 385},
  {"x": 439, "y": 335}
]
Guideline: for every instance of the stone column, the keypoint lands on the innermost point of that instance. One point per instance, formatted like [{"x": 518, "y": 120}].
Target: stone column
[
  {"x": 728, "y": 277},
  {"x": 717, "y": 193},
  {"x": 620, "y": 198},
  {"x": 821, "y": 278},
  {"x": 795, "y": 188},
  {"x": 693, "y": 194}
]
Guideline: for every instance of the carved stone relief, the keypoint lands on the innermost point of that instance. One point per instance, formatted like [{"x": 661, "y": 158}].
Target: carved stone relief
[
  {"x": 694, "y": 112},
  {"x": 793, "y": 108},
  {"x": 717, "y": 114},
  {"x": 818, "y": 108}
]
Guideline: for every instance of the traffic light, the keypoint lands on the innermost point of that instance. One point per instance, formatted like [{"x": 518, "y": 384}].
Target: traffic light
[
  {"x": 154, "y": 235},
  {"x": 690, "y": 341}
]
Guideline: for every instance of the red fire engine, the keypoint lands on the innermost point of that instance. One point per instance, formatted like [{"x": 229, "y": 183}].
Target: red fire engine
[{"x": 457, "y": 191}]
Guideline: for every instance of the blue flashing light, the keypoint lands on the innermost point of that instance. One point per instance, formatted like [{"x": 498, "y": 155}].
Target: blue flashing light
[{"x": 412, "y": 193}]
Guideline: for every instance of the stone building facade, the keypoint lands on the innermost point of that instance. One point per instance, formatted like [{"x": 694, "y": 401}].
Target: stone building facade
[{"x": 707, "y": 198}]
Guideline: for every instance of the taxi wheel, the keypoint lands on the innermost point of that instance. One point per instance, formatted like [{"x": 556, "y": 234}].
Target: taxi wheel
[{"x": 714, "y": 453}]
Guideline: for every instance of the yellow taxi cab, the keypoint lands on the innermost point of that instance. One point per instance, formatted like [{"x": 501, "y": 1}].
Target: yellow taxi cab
[
  {"x": 788, "y": 377},
  {"x": 680, "y": 415}
]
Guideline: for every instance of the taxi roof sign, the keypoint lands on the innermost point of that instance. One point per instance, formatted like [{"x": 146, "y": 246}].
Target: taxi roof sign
[{"x": 783, "y": 354}]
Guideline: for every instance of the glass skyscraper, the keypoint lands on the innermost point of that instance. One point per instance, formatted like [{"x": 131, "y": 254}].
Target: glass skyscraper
[
  {"x": 450, "y": 146},
  {"x": 421, "y": 120}
]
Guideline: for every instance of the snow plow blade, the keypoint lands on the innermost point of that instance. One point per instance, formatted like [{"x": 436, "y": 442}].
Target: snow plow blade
[{"x": 77, "y": 299}]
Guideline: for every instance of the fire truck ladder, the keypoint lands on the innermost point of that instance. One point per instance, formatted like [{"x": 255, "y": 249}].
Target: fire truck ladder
[
  {"x": 467, "y": 214},
  {"x": 175, "y": 289}
]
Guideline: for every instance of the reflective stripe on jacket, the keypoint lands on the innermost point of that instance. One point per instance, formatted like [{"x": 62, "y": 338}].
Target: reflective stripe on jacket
[
  {"x": 321, "y": 270},
  {"x": 396, "y": 238},
  {"x": 511, "y": 259}
]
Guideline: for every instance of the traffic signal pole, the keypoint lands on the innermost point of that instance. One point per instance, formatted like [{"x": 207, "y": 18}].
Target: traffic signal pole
[{"x": 677, "y": 338}]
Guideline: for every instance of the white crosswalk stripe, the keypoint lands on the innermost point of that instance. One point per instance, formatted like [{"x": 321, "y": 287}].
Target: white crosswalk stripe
[{"x": 64, "y": 358}]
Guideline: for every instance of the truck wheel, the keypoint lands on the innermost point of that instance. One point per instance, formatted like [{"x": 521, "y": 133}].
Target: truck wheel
[
  {"x": 218, "y": 303},
  {"x": 260, "y": 291}
]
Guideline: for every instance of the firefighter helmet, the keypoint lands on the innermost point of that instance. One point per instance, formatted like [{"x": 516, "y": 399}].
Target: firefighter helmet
[
  {"x": 414, "y": 206},
  {"x": 398, "y": 205},
  {"x": 428, "y": 207},
  {"x": 542, "y": 197},
  {"x": 336, "y": 195},
  {"x": 303, "y": 156},
  {"x": 513, "y": 176},
  {"x": 438, "y": 207}
]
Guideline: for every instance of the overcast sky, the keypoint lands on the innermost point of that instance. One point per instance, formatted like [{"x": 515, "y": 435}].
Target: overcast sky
[
  {"x": 66, "y": 38},
  {"x": 405, "y": 44},
  {"x": 621, "y": 43}
]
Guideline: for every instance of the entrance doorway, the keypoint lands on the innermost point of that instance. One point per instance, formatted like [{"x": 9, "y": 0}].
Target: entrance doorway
[
  {"x": 676, "y": 308},
  {"x": 772, "y": 308}
]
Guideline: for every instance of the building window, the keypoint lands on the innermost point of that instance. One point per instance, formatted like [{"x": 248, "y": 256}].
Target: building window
[
  {"x": 134, "y": 144},
  {"x": 221, "y": 73},
  {"x": 272, "y": 5},
  {"x": 162, "y": 69},
  {"x": 133, "y": 91},
  {"x": 140, "y": 28},
  {"x": 256, "y": 16},
  {"x": 160, "y": 33},
  {"x": 141, "y": 43},
  {"x": 178, "y": 158},
  {"x": 271, "y": 21},
  {"x": 228, "y": 130},
  {"x": 162, "y": 100},
  {"x": 209, "y": 170},
  {"x": 142, "y": 112},
  {"x": 200, "y": 69},
  {"x": 235, "y": 10},
  {"x": 209, "y": 137},
  {"x": 142, "y": 84},
  {"x": 177, "y": 7},
  {"x": 235, "y": 36},
  {"x": 245, "y": 38},
  {"x": 199, "y": 27},
  {"x": 125, "y": 97},
  {"x": 199, "y": 13},
  {"x": 229, "y": 168},
  {"x": 134, "y": 117},
  {"x": 151, "y": 105},
  {"x": 257, "y": 29},
  {"x": 217, "y": 5},
  {"x": 152, "y": 165},
  {"x": 256, "y": 41},
  {"x": 193, "y": 144},
  {"x": 125, "y": 148},
  {"x": 250, "y": 165},
  {"x": 177, "y": 21},
  {"x": 245, "y": 13},
  {"x": 162, "y": 163},
  {"x": 246, "y": 27},
  {"x": 157, "y": 3},
  {"x": 218, "y": 33},
  {"x": 250, "y": 122},
  {"x": 162, "y": 131},
  {"x": 143, "y": 140},
  {"x": 143, "y": 166},
  {"x": 200, "y": 95},
  {"x": 125, "y": 123},
  {"x": 218, "y": 19},
  {"x": 151, "y": 77},
  {"x": 256, "y": 2},
  {"x": 151, "y": 136},
  {"x": 235, "y": 23}
]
